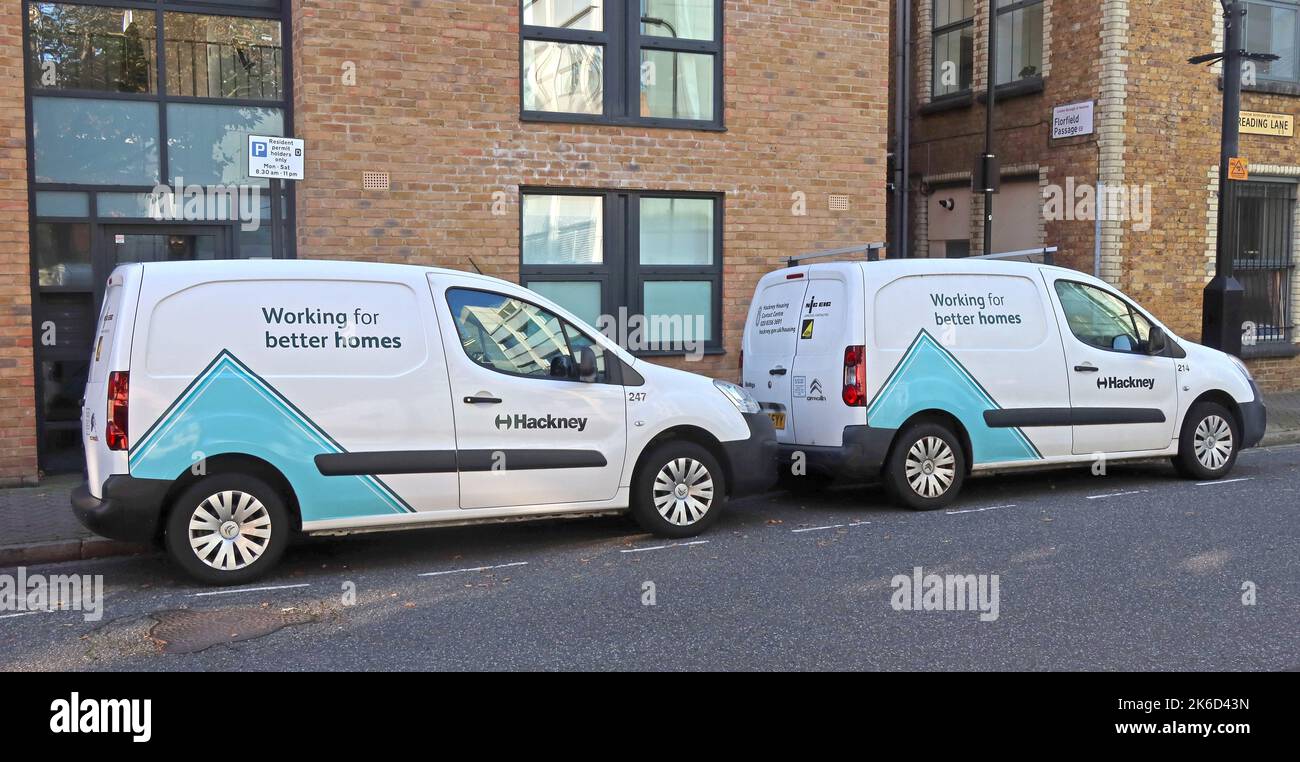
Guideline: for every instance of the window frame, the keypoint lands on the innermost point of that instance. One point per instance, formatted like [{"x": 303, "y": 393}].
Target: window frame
[
  {"x": 1018, "y": 5},
  {"x": 620, "y": 273},
  {"x": 1132, "y": 310},
  {"x": 612, "y": 363},
  {"x": 1284, "y": 266},
  {"x": 1291, "y": 5},
  {"x": 622, "y": 42},
  {"x": 938, "y": 31}
]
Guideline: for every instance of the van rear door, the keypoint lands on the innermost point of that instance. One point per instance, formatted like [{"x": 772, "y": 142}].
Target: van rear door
[
  {"x": 110, "y": 353},
  {"x": 771, "y": 339},
  {"x": 825, "y": 331}
]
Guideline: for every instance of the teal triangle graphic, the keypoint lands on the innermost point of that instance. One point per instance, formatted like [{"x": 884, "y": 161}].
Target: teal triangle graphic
[
  {"x": 229, "y": 409},
  {"x": 929, "y": 377}
]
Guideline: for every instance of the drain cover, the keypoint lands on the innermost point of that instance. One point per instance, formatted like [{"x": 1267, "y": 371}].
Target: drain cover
[{"x": 186, "y": 631}]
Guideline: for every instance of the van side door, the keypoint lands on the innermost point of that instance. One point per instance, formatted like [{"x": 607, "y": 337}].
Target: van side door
[
  {"x": 528, "y": 432},
  {"x": 1122, "y": 399},
  {"x": 825, "y": 313}
]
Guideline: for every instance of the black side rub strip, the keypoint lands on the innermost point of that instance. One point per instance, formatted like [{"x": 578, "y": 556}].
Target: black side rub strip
[
  {"x": 449, "y": 461},
  {"x": 1032, "y": 417}
]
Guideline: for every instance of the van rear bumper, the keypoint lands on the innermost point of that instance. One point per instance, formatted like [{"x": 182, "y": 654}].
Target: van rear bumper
[
  {"x": 129, "y": 510},
  {"x": 751, "y": 462},
  {"x": 860, "y": 458},
  {"x": 1254, "y": 419}
]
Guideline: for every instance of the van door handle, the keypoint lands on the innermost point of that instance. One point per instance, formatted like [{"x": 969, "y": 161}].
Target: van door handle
[
  {"x": 482, "y": 400},
  {"x": 1086, "y": 368},
  {"x": 778, "y": 371}
]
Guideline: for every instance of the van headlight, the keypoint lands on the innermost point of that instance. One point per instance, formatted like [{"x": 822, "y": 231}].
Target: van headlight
[{"x": 743, "y": 400}]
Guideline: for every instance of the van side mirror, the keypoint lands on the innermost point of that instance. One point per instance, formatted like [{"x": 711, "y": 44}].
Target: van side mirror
[
  {"x": 586, "y": 363},
  {"x": 1157, "y": 342}
]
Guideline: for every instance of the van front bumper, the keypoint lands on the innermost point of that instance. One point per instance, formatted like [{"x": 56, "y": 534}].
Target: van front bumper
[
  {"x": 751, "y": 463},
  {"x": 1254, "y": 419},
  {"x": 129, "y": 510},
  {"x": 860, "y": 458}
]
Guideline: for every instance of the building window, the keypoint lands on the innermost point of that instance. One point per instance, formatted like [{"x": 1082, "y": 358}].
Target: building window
[
  {"x": 655, "y": 62},
  {"x": 1271, "y": 28},
  {"x": 1263, "y": 260},
  {"x": 954, "y": 47},
  {"x": 1020, "y": 40},
  {"x": 648, "y": 265}
]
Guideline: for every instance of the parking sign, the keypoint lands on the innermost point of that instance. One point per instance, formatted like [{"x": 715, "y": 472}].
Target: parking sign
[{"x": 275, "y": 158}]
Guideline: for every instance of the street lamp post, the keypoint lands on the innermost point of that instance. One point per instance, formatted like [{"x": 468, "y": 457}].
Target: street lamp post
[
  {"x": 988, "y": 172},
  {"x": 1221, "y": 310}
]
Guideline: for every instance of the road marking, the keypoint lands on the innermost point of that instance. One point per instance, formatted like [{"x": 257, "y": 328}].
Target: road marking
[
  {"x": 1118, "y": 494},
  {"x": 665, "y": 547},
  {"x": 830, "y": 526},
  {"x": 472, "y": 569},
  {"x": 817, "y": 529},
  {"x": 25, "y": 613},
  {"x": 248, "y": 590},
  {"x": 1225, "y": 481},
  {"x": 979, "y": 510}
]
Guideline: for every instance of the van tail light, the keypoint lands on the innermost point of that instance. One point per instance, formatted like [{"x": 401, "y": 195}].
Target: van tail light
[
  {"x": 119, "y": 383},
  {"x": 855, "y": 376}
]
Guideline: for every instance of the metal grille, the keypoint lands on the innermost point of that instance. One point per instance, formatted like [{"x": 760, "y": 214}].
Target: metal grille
[
  {"x": 374, "y": 180},
  {"x": 1263, "y": 258},
  {"x": 839, "y": 203}
]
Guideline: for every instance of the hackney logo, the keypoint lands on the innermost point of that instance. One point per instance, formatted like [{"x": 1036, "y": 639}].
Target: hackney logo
[
  {"x": 1112, "y": 382},
  {"x": 548, "y": 422}
]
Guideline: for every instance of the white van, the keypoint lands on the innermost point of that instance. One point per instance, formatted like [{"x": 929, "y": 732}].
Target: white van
[
  {"x": 922, "y": 371},
  {"x": 230, "y": 404}
]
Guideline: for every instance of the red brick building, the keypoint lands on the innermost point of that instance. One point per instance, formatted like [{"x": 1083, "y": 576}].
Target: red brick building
[
  {"x": 1132, "y": 116},
  {"x": 626, "y": 158}
]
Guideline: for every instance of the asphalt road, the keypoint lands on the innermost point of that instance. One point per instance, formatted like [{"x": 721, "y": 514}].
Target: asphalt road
[{"x": 1136, "y": 570}]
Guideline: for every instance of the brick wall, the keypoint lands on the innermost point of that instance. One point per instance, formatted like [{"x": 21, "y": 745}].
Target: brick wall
[
  {"x": 436, "y": 105},
  {"x": 17, "y": 377}
]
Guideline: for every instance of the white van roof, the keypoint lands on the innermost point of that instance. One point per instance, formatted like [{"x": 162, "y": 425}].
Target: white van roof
[
  {"x": 890, "y": 269},
  {"x": 216, "y": 269}
]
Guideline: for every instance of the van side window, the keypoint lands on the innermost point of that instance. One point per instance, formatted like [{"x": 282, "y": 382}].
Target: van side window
[
  {"x": 1101, "y": 319},
  {"x": 507, "y": 334}
]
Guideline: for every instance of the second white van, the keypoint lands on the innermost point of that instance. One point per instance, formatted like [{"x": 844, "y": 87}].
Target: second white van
[
  {"x": 921, "y": 372},
  {"x": 232, "y": 404}
]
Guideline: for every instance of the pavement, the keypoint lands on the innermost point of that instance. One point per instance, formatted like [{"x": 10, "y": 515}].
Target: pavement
[
  {"x": 37, "y": 525},
  {"x": 1133, "y": 570}
]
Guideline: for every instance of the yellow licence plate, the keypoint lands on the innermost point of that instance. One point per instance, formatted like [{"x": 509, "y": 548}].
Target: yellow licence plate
[{"x": 778, "y": 420}]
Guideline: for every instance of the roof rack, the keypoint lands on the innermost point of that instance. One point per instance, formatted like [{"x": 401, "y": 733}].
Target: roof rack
[
  {"x": 872, "y": 250},
  {"x": 1047, "y": 253}
]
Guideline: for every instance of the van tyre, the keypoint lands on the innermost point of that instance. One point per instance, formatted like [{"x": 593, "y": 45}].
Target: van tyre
[
  {"x": 1209, "y": 442},
  {"x": 926, "y": 468},
  {"x": 228, "y": 529},
  {"x": 678, "y": 491}
]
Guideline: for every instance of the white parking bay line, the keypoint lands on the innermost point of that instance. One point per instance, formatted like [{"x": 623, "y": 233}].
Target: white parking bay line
[
  {"x": 979, "y": 510},
  {"x": 817, "y": 529},
  {"x": 25, "y": 613},
  {"x": 472, "y": 569},
  {"x": 1225, "y": 481},
  {"x": 248, "y": 590},
  {"x": 1118, "y": 494},
  {"x": 665, "y": 547}
]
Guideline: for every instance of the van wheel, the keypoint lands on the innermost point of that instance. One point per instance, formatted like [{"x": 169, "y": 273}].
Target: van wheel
[
  {"x": 926, "y": 468},
  {"x": 1207, "y": 446},
  {"x": 227, "y": 529},
  {"x": 678, "y": 491}
]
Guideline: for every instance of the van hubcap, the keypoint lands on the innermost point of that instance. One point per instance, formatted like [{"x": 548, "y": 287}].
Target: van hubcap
[
  {"x": 1213, "y": 442},
  {"x": 683, "y": 491},
  {"x": 230, "y": 530},
  {"x": 930, "y": 467}
]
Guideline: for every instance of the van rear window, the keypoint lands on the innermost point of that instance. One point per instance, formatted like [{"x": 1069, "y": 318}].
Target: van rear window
[{"x": 109, "y": 317}]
